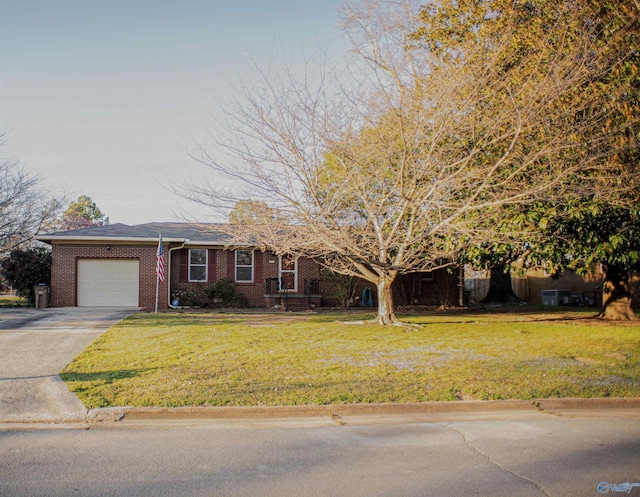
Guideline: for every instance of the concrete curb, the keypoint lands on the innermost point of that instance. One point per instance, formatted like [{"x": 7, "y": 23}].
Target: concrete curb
[{"x": 550, "y": 406}]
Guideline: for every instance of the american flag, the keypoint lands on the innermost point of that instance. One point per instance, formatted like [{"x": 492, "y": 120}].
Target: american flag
[{"x": 160, "y": 261}]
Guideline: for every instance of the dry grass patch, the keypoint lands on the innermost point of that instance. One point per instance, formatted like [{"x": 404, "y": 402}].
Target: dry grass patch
[
  {"x": 265, "y": 359},
  {"x": 9, "y": 300}
]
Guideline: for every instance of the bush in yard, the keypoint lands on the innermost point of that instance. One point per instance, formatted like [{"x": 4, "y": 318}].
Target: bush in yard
[
  {"x": 221, "y": 292},
  {"x": 24, "y": 269},
  {"x": 225, "y": 292},
  {"x": 191, "y": 297},
  {"x": 342, "y": 287}
]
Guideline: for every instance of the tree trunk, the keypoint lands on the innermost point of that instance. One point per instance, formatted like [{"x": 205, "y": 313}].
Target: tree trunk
[
  {"x": 386, "y": 314},
  {"x": 615, "y": 296},
  {"x": 500, "y": 290}
]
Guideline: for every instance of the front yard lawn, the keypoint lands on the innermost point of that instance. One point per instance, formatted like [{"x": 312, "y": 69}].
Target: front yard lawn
[{"x": 217, "y": 359}]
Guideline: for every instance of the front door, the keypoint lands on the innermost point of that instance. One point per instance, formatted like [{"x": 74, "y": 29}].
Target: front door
[{"x": 288, "y": 272}]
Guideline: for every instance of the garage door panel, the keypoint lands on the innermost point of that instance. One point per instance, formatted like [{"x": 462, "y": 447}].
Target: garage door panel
[{"x": 108, "y": 283}]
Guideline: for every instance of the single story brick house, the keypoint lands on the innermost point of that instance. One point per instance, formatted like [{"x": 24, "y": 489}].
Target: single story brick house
[{"x": 114, "y": 265}]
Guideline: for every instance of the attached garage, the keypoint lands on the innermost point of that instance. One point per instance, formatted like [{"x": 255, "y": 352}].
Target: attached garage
[{"x": 108, "y": 282}]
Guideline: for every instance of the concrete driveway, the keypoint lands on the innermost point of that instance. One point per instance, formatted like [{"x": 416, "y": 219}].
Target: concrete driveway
[{"x": 35, "y": 345}]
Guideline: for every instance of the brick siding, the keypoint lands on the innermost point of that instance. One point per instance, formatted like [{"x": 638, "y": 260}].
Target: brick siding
[
  {"x": 265, "y": 266},
  {"x": 65, "y": 259},
  {"x": 64, "y": 271}
]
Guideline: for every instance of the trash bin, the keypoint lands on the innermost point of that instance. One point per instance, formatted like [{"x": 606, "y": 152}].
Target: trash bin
[{"x": 42, "y": 296}]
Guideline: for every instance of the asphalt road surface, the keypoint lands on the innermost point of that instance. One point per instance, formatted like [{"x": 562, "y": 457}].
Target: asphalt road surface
[{"x": 545, "y": 455}]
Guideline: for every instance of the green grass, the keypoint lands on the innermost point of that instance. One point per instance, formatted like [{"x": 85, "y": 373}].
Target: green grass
[{"x": 213, "y": 359}]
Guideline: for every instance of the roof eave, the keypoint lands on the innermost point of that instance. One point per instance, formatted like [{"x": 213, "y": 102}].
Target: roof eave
[
  {"x": 50, "y": 239},
  {"x": 58, "y": 238}
]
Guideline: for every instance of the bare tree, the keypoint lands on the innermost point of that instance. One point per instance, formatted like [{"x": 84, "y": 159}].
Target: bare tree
[
  {"x": 397, "y": 160},
  {"x": 25, "y": 209}
]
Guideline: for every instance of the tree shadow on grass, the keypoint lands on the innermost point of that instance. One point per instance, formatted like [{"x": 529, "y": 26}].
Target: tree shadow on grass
[
  {"x": 107, "y": 376},
  {"x": 505, "y": 314}
]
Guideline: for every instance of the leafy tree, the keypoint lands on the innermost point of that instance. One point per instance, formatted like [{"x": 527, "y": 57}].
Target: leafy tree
[
  {"x": 578, "y": 239},
  {"x": 25, "y": 209},
  {"x": 81, "y": 213},
  {"x": 438, "y": 131},
  {"x": 605, "y": 228},
  {"x": 249, "y": 212},
  {"x": 549, "y": 228},
  {"x": 24, "y": 269}
]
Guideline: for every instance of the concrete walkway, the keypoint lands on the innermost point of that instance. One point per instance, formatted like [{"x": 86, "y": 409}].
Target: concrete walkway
[{"x": 35, "y": 345}]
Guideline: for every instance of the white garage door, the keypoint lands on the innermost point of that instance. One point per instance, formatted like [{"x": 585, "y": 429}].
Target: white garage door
[{"x": 108, "y": 283}]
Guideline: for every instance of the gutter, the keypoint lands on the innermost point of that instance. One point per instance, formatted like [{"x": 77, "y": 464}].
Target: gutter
[
  {"x": 123, "y": 240},
  {"x": 184, "y": 242},
  {"x": 113, "y": 239}
]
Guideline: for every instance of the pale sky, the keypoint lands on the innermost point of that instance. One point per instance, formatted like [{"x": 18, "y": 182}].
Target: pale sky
[{"x": 98, "y": 97}]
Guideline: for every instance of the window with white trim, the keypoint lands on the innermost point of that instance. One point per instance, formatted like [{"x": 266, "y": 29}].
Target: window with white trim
[
  {"x": 244, "y": 266},
  {"x": 198, "y": 264}
]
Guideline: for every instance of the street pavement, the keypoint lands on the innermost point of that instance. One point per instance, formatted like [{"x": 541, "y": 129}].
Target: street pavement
[
  {"x": 35, "y": 345},
  {"x": 535, "y": 456}
]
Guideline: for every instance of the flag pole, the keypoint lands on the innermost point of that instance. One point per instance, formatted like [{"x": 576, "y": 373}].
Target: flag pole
[{"x": 157, "y": 291}]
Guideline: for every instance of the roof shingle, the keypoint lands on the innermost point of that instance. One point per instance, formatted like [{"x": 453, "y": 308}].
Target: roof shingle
[{"x": 191, "y": 232}]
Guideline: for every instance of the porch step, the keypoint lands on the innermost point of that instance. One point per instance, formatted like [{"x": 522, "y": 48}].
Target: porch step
[{"x": 296, "y": 305}]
